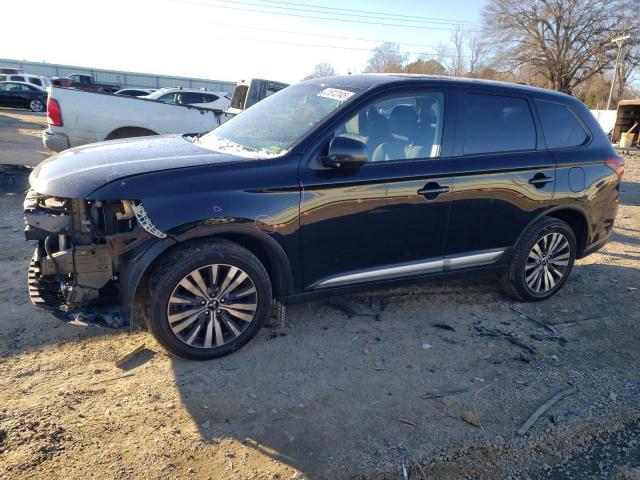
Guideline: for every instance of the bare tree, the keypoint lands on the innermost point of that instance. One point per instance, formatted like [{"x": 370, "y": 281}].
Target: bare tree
[
  {"x": 386, "y": 58},
  {"x": 456, "y": 58},
  {"x": 478, "y": 52},
  {"x": 567, "y": 41},
  {"x": 323, "y": 69}
]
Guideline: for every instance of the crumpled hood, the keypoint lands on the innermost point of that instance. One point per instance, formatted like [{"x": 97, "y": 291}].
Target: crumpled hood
[{"x": 77, "y": 172}]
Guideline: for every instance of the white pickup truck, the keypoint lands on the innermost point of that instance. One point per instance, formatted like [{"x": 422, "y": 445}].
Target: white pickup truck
[{"x": 78, "y": 117}]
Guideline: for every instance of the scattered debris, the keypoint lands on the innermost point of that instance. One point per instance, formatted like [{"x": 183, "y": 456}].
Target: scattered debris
[
  {"x": 370, "y": 306},
  {"x": 426, "y": 346},
  {"x": 470, "y": 417},
  {"x": 443, "y": 326},
  {"x": 406, "y": 422},
  {"x": 446, "y": 393},
  {"x": 112, "y": 379},
  {"x": 543, "y": 408},
  {"x": 496, "y": 332},
  {"x": 547, "y": 327},
  {"x": 405, "y": 472},
  {"x": 546, "y": 335},
  {"x": 206, "y": 425},
  {"x": 265, "y": 422},
  {"x": 128, "y": 356}
]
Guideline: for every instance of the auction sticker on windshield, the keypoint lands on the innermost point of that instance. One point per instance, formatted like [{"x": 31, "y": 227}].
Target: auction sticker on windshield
[{"x": 335, "y": 94}]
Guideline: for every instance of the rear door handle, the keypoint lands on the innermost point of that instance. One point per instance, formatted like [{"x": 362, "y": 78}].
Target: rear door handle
[
  {"x": 540, "y": 179},
  {"x": 432, "y": 189}
]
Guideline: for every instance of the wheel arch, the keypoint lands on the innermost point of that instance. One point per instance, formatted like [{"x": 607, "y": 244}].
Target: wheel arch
[
  {"x": 128, "y": 132},
  {"x": 575, "y": 217},
  {"x": 134, "y": 279}
]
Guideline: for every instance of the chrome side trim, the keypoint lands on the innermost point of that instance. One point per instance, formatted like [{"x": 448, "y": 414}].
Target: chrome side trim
[
  {"x": 413, "y": 268},
  {"x": 400, "y": 270},
  {"x": 471, "y": 260}
]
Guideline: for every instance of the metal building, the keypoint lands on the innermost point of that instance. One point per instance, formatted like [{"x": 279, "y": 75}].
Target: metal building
[{"x": 125, "y": 79}]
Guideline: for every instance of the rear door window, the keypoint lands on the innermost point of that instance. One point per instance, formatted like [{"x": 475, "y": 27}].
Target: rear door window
[
  {"x": 189, "y": 98},
  {"x": 209, "y": 97},
  {"x": 560, "y": 126},
  {"x": 496, "y": 123}
]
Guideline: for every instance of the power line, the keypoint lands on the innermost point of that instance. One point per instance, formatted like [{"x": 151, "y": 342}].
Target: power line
[
  {"x": 339, "y": 11},
  {"x": 293, "y": 32},
  {"x": 192, "y": 2},
  {"x": 384, "y": 14},
  {"x": 316, "y": 45}
]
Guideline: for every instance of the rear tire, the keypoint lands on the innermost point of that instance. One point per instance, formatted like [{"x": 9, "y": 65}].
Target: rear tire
[
  {"x": 542, "y": 261},
  {"x": 208, "y": 299}
]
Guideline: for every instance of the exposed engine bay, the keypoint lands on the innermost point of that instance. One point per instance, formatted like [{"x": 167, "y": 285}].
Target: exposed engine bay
[{"x": 80, "y": 248}]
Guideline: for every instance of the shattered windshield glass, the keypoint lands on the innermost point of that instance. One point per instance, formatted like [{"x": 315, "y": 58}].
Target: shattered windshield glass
[{"x": 274, "y": 125}]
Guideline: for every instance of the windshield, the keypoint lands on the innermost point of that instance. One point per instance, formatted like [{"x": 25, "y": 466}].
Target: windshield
[{"x": 272, "y": 126}]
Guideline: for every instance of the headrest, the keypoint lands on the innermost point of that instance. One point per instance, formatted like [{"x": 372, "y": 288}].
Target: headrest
[{"x": 402, "y": 122}]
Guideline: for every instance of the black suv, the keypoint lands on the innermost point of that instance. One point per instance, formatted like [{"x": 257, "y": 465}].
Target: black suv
[{"x": 327, "y": 186}]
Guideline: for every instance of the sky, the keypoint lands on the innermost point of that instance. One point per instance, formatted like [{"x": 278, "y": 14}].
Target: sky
[{"x": 229, "y": 39}]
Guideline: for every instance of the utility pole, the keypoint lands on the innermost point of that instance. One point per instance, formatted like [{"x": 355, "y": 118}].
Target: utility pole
[{"x": 618, "y": 41}]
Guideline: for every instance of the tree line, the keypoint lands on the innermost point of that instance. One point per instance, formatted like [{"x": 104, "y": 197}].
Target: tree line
[{"x": 564, "y": 45}]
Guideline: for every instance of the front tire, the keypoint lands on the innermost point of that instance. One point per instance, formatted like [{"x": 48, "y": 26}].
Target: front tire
[
  {"x": 36, "y": 105},
  {"x": 542, "y": 261},
  {"x": 208, "y": 299}
]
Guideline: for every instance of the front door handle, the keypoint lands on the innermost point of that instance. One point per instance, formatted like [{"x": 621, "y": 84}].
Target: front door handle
[
  {"x": 540, "y": 179},
  {"x": 432, "y": 189}
]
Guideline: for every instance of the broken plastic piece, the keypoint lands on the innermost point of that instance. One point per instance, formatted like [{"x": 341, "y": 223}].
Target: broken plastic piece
[{"x": 145, "y": 222}]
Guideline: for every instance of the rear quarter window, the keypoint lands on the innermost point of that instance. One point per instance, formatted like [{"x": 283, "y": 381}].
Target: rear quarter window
[
  {"x": 560, "y": 125},
  {"x": 496, "y": 123}
]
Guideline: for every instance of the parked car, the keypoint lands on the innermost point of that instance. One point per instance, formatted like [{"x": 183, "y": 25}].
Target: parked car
[
  {"x": 23, "y": 95},
  {"x": 329, "y": 186},
  {"x": 39, "y": 81},
  {"x": 10, "y": 70},
  {"x": 76, "y": 118},
  {"x": 135, "y": 92},
  {"x": 191, "y": 96},
  {"x": 85, "y": 82}
]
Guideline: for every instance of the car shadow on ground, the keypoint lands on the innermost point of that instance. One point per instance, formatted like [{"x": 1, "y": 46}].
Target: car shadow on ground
[{"x": 332, "y": 396}]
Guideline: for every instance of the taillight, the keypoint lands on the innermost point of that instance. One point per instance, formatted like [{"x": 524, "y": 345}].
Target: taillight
[
  {"x": 616, "y": 164},
  {"x": 54, "y": 115}
]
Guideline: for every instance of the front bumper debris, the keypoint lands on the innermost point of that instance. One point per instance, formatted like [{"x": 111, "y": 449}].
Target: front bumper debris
[{"x": 81, "y": 247}]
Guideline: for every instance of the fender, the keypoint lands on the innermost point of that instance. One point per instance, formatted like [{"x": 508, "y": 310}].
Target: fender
[
  {"x": 137, "y": 263},
  {"x": 556, "y": 208}
]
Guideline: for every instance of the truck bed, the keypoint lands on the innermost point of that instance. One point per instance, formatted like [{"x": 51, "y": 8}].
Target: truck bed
[{"x": 89, "y": 117}]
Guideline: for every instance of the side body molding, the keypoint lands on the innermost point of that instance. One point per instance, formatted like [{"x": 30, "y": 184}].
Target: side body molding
[{"x": 451, "y": 262}]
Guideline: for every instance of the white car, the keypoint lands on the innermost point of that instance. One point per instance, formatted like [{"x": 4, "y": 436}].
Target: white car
[
  {"x": 40, "y": 81},
  {"x": 195, "y": 97}
]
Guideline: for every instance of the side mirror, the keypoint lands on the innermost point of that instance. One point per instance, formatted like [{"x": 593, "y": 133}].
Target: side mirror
[{"x": 345, "y": 153}]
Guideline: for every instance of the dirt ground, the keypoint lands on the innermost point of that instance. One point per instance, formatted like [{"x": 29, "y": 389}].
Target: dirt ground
[{"x": 352, "y": 387}]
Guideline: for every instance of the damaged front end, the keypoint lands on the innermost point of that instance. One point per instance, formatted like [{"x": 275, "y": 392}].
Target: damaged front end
[{"x": 82, "y": 247}]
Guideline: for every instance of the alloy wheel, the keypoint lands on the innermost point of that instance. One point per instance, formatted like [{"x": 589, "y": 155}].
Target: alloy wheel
[
  {"x": 547, "y": 263},
  {"x": 36, "y": 105},
  {"x": 212, "y": 306}
]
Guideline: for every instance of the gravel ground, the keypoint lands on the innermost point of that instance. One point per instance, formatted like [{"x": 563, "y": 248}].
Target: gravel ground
[{"x": 351, "y": 387}]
